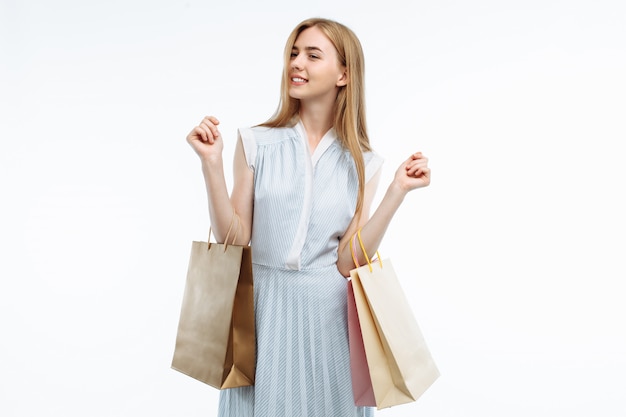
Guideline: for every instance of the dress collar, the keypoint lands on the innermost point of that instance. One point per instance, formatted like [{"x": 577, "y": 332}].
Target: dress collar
[{"x": 327, "y": 140}]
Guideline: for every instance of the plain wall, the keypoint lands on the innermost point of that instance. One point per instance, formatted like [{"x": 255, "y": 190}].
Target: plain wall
[{"x": 513, "y": 257}]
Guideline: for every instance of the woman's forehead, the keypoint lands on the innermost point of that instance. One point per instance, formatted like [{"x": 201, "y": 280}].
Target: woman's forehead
[{"x": 313, "y": 38}]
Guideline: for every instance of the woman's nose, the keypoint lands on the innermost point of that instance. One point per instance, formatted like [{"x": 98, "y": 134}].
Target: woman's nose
[{"x": 296, "y": 62}]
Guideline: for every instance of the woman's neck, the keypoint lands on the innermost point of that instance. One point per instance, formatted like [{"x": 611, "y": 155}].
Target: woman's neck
[{"x": 317, "y": 121}]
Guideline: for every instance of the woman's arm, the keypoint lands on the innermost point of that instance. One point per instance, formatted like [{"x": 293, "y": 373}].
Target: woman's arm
[
  {"x": 206, "y": 140},
  {"x": 412, "y": 174}
]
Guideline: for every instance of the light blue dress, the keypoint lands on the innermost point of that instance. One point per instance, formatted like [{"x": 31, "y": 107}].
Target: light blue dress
[{"x": 303, "y": 203}]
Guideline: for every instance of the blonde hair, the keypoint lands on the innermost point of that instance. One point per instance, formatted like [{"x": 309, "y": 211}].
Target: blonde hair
[{"x": 349, "y": 109}]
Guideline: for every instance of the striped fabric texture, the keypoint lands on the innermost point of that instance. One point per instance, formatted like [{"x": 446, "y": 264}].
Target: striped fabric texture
[{"x": 303, "y": 203}]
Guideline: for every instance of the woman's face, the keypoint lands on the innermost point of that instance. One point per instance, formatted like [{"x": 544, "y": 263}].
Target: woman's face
[{"x": 315, "y": 73}]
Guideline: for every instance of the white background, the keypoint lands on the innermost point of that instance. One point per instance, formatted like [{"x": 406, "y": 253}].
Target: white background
[{"x": 513, "y": 258}]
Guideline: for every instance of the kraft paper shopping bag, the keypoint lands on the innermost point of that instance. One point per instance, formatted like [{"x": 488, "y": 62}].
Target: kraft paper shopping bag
[{"x": 215, "y": 342}]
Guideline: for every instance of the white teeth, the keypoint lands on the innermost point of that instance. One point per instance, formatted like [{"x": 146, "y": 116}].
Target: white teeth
[{"x": 298, "y": 80}]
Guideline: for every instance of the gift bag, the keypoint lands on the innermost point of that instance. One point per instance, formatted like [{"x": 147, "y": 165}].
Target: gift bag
[
  {"x": 400, "y": 364},
  {"x": 215, "y": 342}
]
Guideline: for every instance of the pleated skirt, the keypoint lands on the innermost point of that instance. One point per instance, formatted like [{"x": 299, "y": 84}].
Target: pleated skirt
[{"x": 303, "y": 362}]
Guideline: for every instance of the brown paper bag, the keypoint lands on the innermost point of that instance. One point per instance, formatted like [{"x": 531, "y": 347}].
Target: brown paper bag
[
  {"x": 215, "y": 342},
  {"x": 400, "y": 364}
]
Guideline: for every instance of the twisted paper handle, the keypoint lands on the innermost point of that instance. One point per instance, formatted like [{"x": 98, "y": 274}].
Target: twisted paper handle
[
  {"x": 353, "y": 251},
  {"x": 230, "y": 228}
]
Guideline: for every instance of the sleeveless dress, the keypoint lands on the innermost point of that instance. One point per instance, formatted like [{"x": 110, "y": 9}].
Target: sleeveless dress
[{"x": 303, "y": 204}]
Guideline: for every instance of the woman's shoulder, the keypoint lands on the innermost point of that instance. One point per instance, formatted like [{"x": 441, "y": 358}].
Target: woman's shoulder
[
  {"x": 373, "y": 163},
  {"x": 372, "y": 156},
  {"x": 369, "y": 156},
  {"x": 261, "y": 139},
  {"x": 265, "y": 134}
]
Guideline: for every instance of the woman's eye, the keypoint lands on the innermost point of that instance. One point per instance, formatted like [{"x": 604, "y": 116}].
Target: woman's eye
[{"x": 313, "y": 56}]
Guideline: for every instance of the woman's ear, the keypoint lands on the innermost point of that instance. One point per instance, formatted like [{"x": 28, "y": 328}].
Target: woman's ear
[{"x": 343, "y": 79}]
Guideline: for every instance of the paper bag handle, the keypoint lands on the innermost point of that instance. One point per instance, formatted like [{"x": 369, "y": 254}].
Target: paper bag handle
[
  {"x": 230, "y": 228},
  {"x": 353, "y": 251}
]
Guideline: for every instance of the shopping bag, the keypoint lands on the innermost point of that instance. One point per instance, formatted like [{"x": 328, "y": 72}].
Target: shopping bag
[
  {"x": 400, "y": 364},
  {"x": 215, "y": 342},
  {"x": 361, "y": 381}
]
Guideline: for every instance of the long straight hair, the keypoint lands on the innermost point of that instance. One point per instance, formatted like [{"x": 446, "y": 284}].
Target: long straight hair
[{"x": 349, "y": 108}]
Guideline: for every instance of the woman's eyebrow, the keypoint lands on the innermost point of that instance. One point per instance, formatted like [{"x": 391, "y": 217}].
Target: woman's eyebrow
[{"x": 309, "y": 49}]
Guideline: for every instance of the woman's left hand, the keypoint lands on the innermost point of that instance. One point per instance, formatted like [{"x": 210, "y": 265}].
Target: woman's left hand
[{"x": 413, "y": 173}]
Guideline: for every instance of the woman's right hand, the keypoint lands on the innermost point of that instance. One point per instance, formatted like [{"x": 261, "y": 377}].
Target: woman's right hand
[{"x": 206, "y": 139}]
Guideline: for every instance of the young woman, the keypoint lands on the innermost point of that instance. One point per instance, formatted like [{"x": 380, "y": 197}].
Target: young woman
[{"x": 303, "y": 185}]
